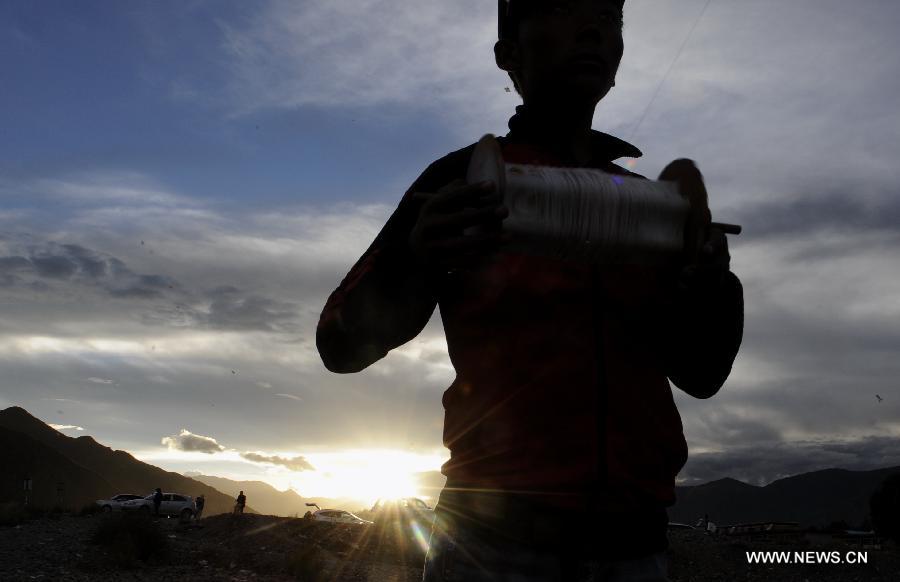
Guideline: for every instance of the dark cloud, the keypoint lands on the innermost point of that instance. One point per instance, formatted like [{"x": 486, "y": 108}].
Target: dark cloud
[
  {"x": 144, "y": 287},
  {"x": 188, "y": 441},
  {"x": 727, "y": 426},
  {"x": 54, "y": 267},
  {"x": 77, "y": 264},
  {"x": 298, "y": 463},
  {"x": 89, "y": 262},
  {"x": 825, "y": 206},
  {"x": 13, "y": 264},
  {"x": 135, "y": 292},
  {"x": 223, "y": 307},
  {"x": 763, "y": 462},
  {"x": 232, "y": 309}
]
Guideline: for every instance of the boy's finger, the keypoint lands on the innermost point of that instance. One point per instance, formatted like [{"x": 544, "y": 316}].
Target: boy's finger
[
  {"x": 421, "y": 195},
  {"x": 715, "y": 249},
  {"x": 458, "y": 196},
  {"x": 455, "y": 184},
  {"x": 452, "y": 247},
  {"x": 468, "y": 217},
  {"x": 463, "y": 195}
]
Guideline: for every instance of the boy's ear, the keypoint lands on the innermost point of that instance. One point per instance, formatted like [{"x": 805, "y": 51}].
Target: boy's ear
[{"x": 506, "y": 55}]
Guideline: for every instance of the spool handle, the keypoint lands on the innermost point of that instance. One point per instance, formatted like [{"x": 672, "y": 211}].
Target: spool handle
[{"x": 727, "y": 228}]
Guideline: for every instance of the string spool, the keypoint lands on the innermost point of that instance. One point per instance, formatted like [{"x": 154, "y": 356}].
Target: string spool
[{"x": 585, "y": 213}]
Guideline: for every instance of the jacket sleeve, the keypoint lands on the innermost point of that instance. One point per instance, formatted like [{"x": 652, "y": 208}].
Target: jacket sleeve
[
  {"x": 386, "y": 299},
  {"x": 705, "y": 333}
]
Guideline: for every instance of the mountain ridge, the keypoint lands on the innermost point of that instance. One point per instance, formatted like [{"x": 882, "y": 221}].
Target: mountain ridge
[
  {"x": 87, "y": 469},
  {"x": 814, "y": 499},
  {"x": 269, "y": 500}
]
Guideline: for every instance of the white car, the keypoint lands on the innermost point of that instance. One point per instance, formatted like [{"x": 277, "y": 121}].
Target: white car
[
  {"x": 412, "y": 504},
  {"x": 115, "y": 502},
  {"x": 339, "y": 516},
  {"x": 172, "y": 504},
  {"x": 404, "y": 510}
]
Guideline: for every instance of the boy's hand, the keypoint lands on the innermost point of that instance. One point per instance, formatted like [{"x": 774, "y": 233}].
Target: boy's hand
[
  {"x": 437, "y": 240},
  {"x": 706, "y": 256},
  {"x": 706, "y": 275}
]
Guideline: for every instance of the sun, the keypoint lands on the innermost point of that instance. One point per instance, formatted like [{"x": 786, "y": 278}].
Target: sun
[
  {"x": 365, "y": 475},
  {"x": 390, "y": 484}
]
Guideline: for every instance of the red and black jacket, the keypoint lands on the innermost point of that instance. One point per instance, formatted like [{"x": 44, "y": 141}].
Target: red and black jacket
[{"x": 563, "y": 368}]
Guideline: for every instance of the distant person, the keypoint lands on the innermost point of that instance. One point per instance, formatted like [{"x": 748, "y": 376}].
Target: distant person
[
  {"x": 703, "y": 521},
  {"x": 239, "y": 503},
  {"x": 200, "y": 502},
  {"x": 157, "y": 501},
  {"x": 561, "y": 416}
]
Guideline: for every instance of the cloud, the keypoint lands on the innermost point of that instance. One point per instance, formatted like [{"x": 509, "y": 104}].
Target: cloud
[
  {"x": 74, "y": 264},
  {"x": 351, "y": 53},
  {"x": 801, "y": 156},
  {"x": 77, "y": 267},
  {"x": 107, "y": 188},
  {"x": 291, "y": 397},
  {"x": 190, "y": 442},
  {"x": 298, "y": 463},
  {"x": 825, "y": 206},
  {"x": 65, "y": 427},
  {"x": 99, "y": 380},
  {"x": 232, "y": 309}
]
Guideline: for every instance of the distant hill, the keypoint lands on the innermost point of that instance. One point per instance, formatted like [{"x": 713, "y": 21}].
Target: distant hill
[
  {"x": 55, "y": 479},
  {"x": 812, "y": 499},
  {"x": 430, "y": 484},
  {"x": 270, "y": 501},
  {"x": 87, "y": 469}
]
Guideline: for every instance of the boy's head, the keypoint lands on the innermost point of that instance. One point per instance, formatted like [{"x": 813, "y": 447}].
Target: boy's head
[{"x": 560, "y": 49}]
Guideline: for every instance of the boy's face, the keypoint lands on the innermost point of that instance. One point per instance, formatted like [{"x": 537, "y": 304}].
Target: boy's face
[{"x": 567, "y": 49}]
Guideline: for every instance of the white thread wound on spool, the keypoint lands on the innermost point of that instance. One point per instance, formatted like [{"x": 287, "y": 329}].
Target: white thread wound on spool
[
  {"x": 587, "y": 213},
  {"x": 583, "y": 212}
]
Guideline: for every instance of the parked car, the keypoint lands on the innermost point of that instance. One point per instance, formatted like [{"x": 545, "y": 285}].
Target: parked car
[
  {"x": 403, "y": 512},
  {"x": 405, "y": 504},
  {"x": 339, "y": 516},
  {"x": 172, "y": 504},
  {"x": 115, "y": 502}
]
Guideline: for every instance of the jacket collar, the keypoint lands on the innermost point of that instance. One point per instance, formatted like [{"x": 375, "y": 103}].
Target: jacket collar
[{"x": 606, "y": 148}]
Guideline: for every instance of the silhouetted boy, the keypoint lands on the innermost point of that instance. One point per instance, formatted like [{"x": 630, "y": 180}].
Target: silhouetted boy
[
  {"x": 563, "y": 434},
  {"x": 157, "y": 501},
  {"x": 200, "y": 503},
  {"x": 239, "y": 503}
]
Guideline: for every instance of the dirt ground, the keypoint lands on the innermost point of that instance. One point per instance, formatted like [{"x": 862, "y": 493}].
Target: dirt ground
[{"x": 268, "y": 548}]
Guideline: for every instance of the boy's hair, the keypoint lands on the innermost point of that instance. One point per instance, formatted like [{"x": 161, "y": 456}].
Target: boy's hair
[
  {"x": 506, "y": 20},
  {"x": 509, "y": 12}
]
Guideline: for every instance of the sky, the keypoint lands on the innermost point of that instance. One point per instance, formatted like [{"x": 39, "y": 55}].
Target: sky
[{"x": 183, "y": 183}]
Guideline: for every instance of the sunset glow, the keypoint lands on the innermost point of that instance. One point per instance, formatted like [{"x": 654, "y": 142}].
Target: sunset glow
[
  {"x": 365, "y": 475},
  {"x": 361, "y": 475}
]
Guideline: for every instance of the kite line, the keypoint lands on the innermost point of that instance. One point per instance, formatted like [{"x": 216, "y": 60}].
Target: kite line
[{"x": 669, "y": 70}]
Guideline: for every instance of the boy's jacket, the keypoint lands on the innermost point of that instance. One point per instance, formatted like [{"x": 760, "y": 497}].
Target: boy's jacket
[{"x": 561, "y": 387}]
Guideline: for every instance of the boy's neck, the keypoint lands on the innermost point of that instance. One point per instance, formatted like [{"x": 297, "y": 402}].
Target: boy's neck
[{"x": 565, "y": 126}]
